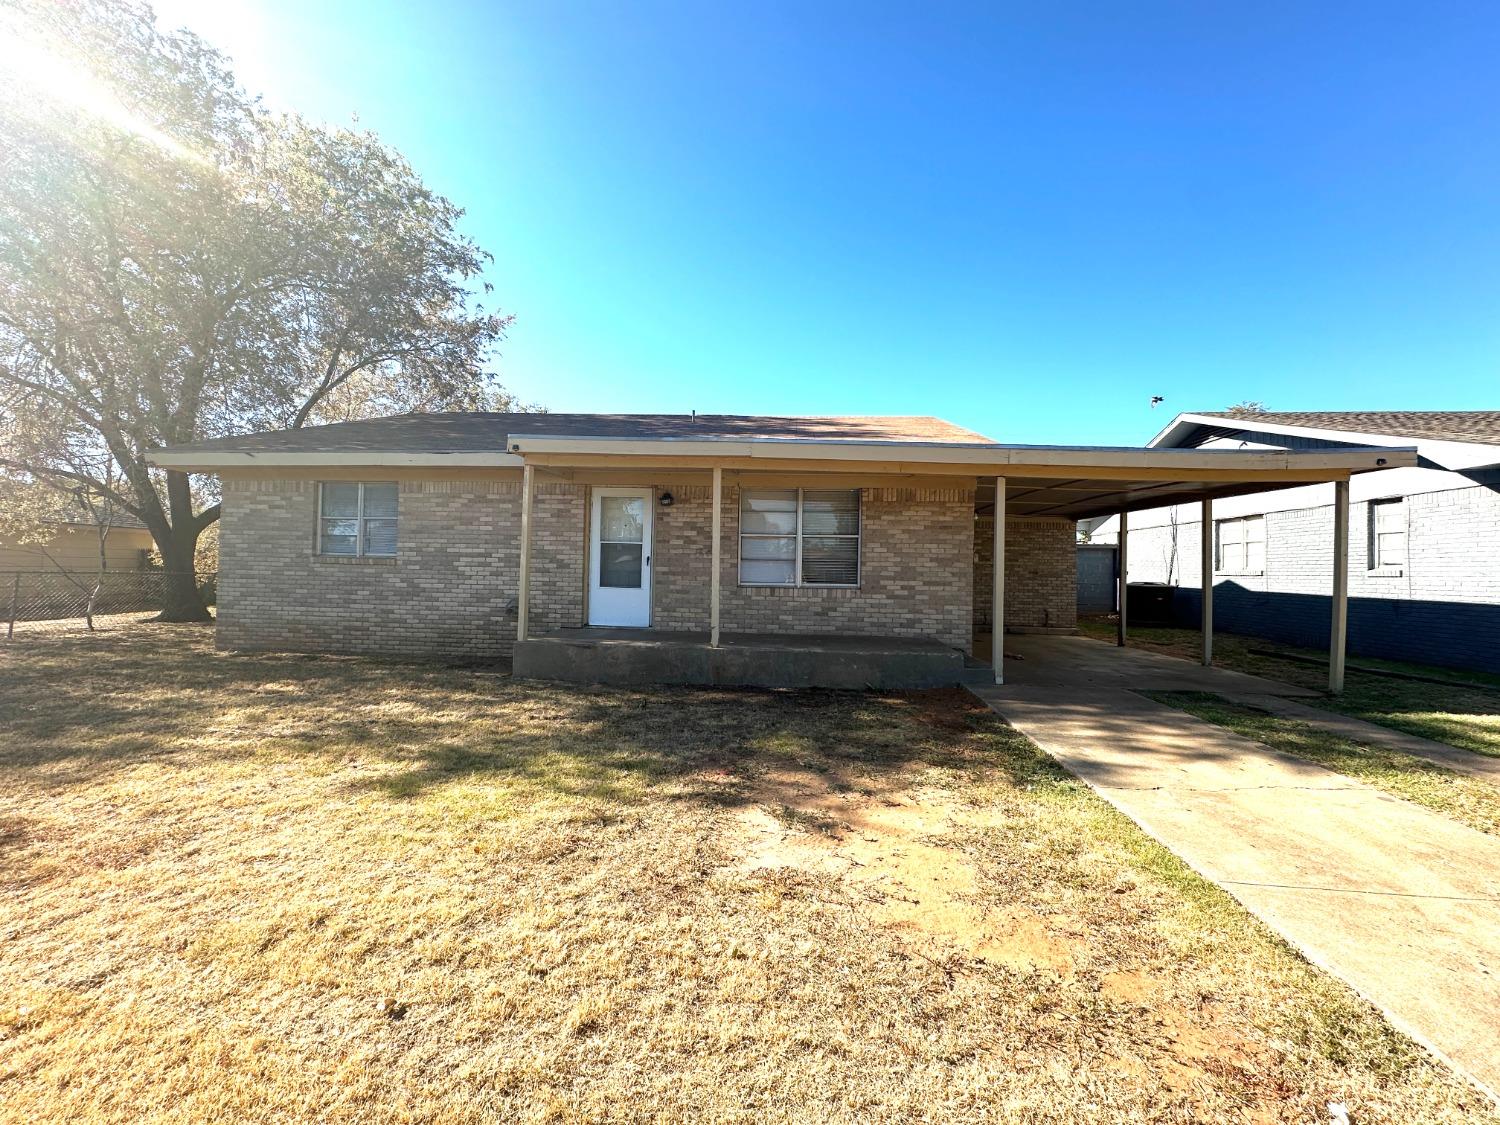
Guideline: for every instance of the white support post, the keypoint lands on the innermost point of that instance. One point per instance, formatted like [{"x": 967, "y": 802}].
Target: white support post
[
  {"x": 1120, "y": 591},
  {"x": 523, "y": 582},
  {"x": 1206, "y": 561},
  {"x": 997, "y": 592},
  {"x": 715, "y": 577},
  {"x": 1339, "y": 629}
]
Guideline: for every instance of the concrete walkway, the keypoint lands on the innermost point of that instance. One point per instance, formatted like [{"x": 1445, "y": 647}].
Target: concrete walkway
[
  {"x": 1399, "y": 902},
  {"x": 1370, "y": 734}
]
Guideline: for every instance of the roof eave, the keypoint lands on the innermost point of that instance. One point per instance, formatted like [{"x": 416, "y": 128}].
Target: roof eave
[
  {"x": 992, "y": 457},
  {"x": 1185, "y": 423},
  {"x": 219, "y": 460}
]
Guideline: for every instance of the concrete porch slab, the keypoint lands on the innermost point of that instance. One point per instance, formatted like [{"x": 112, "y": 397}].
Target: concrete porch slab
[{"x": 651, "y": 656}]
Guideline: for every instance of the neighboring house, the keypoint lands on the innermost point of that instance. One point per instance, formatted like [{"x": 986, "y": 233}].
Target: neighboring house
[
  {"x": 57, "y": 573},
  {"x": 839, "y": 551},
  {"x": 72, "y": 544},
  {"x": 1424, "y": 544}
]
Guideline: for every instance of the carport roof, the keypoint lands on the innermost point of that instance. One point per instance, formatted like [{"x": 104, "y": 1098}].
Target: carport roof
[
  {"x": 1079, "y": 498},
  {"x": 1073, "y": 482}
]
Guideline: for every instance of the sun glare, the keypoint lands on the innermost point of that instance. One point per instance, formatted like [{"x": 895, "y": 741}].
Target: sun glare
[{"x": 31, "y": 68}]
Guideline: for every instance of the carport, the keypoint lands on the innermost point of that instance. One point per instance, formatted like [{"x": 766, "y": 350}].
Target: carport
[{"x": 1080, "y": 483}]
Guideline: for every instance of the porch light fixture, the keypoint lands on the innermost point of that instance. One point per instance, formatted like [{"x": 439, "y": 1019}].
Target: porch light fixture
[{"x": 666, "y": 500}]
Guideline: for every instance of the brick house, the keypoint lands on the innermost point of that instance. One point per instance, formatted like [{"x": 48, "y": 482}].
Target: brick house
[
  {"x": 841, "y": 551},
  {"x": 1424, "y": 560}
]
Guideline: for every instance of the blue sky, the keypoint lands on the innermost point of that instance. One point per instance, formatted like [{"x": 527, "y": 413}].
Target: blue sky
[{"x": 1027, "y": 218}]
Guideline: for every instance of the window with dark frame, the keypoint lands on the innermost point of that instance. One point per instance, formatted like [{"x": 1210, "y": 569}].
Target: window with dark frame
[
  {"x": 799, "y": 537},
  {"x": 357, "y": 519}
]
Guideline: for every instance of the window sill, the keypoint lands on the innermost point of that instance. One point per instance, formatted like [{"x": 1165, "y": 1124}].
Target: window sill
[
  {"x": 1386, "y": 572},
  {"x": 768, "y": 587},
  {"x": 356, "y": 560}
]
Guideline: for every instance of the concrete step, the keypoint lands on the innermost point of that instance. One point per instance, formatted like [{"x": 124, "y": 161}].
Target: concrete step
[{"x": 639, "y": 657}]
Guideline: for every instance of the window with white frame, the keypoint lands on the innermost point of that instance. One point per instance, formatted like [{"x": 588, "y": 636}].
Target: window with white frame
[
  {"x": 1387, "y": 524},
  {"x": 357, "y": 519},
  {"x": 799, "y": 537},
  {"x": 1241, "y": 545}
]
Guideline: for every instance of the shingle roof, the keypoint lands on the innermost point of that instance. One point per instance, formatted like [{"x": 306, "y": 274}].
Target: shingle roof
[
  {"x": 1481, "y": 426},
  {"x": 63, "y": 506},
  {"x": 478, "y": 432}
]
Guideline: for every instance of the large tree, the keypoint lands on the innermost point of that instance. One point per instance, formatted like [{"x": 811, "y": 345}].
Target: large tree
[{"x": 178, "y": 262}]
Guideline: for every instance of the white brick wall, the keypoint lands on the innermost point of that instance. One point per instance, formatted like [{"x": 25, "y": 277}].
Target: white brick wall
[
  {"x": 1443, "y": 608},
  {"x": 1453, "y": 551}
]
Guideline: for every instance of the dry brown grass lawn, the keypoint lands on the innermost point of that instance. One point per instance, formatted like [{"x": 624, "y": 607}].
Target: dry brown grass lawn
[{"x": 282, "y": 888}]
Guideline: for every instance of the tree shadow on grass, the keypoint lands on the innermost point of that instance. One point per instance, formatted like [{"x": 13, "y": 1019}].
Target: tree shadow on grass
[
  {"x": 720, "y": 747},
  {"x": 74, "y": 709}
]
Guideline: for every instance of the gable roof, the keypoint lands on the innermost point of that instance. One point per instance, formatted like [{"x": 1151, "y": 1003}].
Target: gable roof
[
  {"x": 481, "y": 432},
  {"x": 1482, "y": 426}
]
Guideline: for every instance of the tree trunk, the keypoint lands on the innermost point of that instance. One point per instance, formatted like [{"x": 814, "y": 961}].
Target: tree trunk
[
  {"x": 88, "y": 610},
  {"x": 177, "y": 540},
  {"x": 180, "y": 598}
]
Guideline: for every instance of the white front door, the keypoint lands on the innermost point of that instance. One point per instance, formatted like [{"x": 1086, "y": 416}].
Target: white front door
[{"x": 620, "y": 557}]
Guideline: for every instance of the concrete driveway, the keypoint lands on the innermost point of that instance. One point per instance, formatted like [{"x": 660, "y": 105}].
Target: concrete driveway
[{"x": 1399, "y": 902}]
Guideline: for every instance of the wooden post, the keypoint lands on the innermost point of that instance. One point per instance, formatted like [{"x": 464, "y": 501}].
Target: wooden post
[
  {"x": 997, "y": 580},
  {"x": 1206, "y": 560},
  {"x": 715, "y": 554},
  {"x": 1123, "y": 558},
  {"x": 15, "y": 605},
  {"x": 1339, "y": 629},
  {"x": 523, "y": 583}
]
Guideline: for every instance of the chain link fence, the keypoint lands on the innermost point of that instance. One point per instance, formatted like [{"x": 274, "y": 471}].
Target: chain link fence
[{"x": 60, "y": 601}]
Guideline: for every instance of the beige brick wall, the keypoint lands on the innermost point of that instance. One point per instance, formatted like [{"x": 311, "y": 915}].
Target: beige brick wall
[
  {"x": 916, "y": 570},
  {"x": 451, "y": 592},
  {"x": 681, "y": 559},
  {"x": 1041, "y": 573},
  {"x": 559, "y": 529}
]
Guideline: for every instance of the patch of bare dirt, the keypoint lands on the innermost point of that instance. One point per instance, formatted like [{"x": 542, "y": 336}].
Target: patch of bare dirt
[
  {"x": 891, "y": 852},
  {"x": 888, "y": 851}
]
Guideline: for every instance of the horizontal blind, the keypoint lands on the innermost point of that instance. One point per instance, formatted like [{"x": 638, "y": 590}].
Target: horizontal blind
[
  {"x": 792, "y": 537},
  {"x": 830, "y": 537},
  {"x": 357, "y": 518}
]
